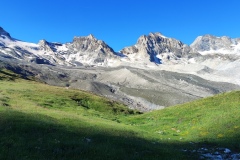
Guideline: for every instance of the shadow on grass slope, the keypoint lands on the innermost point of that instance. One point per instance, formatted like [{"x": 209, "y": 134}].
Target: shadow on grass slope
[{"x": 35, "y": 136}]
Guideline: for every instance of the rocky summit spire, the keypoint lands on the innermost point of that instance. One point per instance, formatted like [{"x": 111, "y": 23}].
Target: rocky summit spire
[
  {"x": 4, "y": 33},
  {"x": 91, "y": 36}
]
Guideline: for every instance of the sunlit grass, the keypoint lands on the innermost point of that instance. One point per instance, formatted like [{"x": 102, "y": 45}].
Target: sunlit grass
[{"x": 210, "y": 120}]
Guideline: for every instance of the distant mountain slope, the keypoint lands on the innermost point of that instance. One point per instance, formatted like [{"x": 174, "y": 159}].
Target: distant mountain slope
[{"x": 211, "y": 44}]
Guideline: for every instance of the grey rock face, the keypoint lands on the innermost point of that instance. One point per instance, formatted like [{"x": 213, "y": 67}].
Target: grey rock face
[
  {"x": 91, "y": 44},
  {"x": 209, "y": 42},
  {"x": 156, "y": 44}
]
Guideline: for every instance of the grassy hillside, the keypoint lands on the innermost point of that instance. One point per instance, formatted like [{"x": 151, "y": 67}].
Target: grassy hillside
[
  {"x": 39, "y": 121},
  {"x": 214, "y": 120}
]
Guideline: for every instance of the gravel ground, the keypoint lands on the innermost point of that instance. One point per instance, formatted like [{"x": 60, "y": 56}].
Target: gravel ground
[{"x": 144, "y": 89}]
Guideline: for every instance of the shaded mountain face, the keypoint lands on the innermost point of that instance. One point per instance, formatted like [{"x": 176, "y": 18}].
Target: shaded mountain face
[
  {"x": 159, "y": 49},
  {"x": 4, "y": 33},
  {"x": 210, "y": 43}
]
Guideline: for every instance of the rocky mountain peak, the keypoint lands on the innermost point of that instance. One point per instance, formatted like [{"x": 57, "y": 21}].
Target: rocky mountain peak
[
  {"x": 46, "y": 46},
  {"x": 91, "y": 36},
  {"x": 158, "y": 47},
  {"x": 4, "y": 33},
  {"x": 210, "y": 42},
  {"x": 156, "y": 34},
  {"x": 90, "y": 44},
  {"x": 42, "y": 42},
  {"x": 154, "y": 37}
]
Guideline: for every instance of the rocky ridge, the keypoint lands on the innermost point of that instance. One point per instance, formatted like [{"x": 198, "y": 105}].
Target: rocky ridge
[{"x": 150, "y": 49}]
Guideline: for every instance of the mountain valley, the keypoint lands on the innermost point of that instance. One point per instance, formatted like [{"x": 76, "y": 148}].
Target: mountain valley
[
  {"x": 157, "y": 99},
  {"x": 155, "y": 73}
]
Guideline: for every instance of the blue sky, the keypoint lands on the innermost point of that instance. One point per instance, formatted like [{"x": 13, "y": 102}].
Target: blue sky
[{"x": 119, "y": 23}]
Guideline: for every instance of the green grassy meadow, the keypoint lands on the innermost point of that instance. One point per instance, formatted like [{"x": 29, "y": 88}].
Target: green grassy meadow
[{"x": 38, "y": 121}]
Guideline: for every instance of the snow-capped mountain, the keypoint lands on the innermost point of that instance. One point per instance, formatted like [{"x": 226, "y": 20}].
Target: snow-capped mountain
[
  {"x": 154, "y": 48},
  {"x": 82, "y": 51},
  {"x": 208, "y": 44},
  {"x": 13, "y": 48},
  {"x": 149, "y": 50},
  {"x": 159, "y": 49}
]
